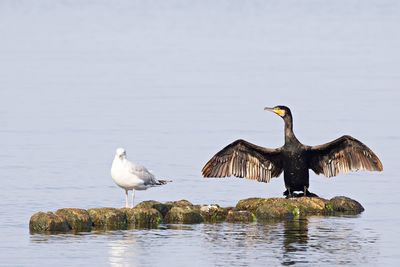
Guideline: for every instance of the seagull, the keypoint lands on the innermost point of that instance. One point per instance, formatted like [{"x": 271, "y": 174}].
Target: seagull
[{"x": 131, "y": 176}]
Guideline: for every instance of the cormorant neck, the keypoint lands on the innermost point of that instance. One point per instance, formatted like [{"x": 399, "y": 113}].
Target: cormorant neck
[{"x": 289, "y": 134}]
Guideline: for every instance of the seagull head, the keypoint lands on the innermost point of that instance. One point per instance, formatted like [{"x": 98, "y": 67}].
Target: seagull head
[{"x": 120, "y": 153}]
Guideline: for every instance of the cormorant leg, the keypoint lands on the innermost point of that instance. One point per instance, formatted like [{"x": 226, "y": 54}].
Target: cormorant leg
[
  {"x": 133, "y": 196},
  {"x": 287, "y": 193},
  {"x": 126, "y": 199}
]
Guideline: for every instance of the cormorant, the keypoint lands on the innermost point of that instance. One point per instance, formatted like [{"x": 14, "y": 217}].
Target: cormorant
[{"x": 243, "y": 159}]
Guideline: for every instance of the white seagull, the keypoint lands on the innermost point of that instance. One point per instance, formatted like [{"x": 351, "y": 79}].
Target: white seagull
[{"x": 131, "y": 176}]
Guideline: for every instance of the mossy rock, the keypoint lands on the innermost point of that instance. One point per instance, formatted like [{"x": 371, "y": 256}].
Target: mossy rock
[
  {"x": 240, "y": 216},
  {"x": 251, "y": 204},
  {"x": 279, "y": 208},
  {"x": 150, "y": 214},
  {"x": 185, "y": 214},
  {"x": 274, "y": 211},
  {"x": 346, "y": 205},
  {"x": 213, "y": 213},
  {"x": 309, "y": 205},
  {"x": 143, "y": 217},
  {"x": 163, "y": 208},
  {"x": 77, "y": 219},
  {"x": 108, "y": 218},
  {"x": 180, "y": 203},
  {"x": 42, "y": 222}
]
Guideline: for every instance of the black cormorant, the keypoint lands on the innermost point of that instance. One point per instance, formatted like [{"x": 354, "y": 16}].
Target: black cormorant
[{"x": 243, "y": 159}]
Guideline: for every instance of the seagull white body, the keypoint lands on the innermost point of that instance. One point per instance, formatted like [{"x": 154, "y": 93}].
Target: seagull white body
[{"x": 131, "y": 176}]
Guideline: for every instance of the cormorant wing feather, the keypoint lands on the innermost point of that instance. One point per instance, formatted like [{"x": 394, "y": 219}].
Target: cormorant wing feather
[
  {"x": 243, "y": 159},
  {"x": 343, "y": 155}
]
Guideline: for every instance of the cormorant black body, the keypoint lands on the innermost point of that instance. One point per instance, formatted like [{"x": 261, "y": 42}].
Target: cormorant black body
[{"x": 243, "y": 159}]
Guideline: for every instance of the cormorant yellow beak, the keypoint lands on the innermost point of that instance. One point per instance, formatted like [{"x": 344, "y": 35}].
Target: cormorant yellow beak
[{"x": 276, "y": 110}]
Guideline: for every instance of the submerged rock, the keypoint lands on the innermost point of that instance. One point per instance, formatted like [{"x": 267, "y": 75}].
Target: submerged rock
[
  {"x": 280, "y": 208},
  {"x": 345, "y": 205},
  {"x": 77, "y": 219},
  {"x": 213, "y": 213},
  {"x": 150, "y": 214},
  {"x": 163, "y": 208},
  {"x": 185, "y": 214},
  {"x": 240, "y": 216},
  {"x": 143, "y": 217},
  {"x": 42, "y": 222},
  {"x": 183, "y": 211},
  {"x": 180, "y": 203},
  {"x": 108, "y": 218}
]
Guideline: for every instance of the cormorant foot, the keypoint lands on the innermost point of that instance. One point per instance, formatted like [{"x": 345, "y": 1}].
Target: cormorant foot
[
  {"x": 309, "y": 194},
  {"x": 292, "y": 195},
  {"x": 288, "y": 195}
]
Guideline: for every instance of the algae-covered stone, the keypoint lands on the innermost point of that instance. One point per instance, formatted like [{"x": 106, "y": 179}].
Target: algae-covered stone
[
  {"x": 41, "y": 222},
  {"x": 279, "y": 208},
  {"x": 184, "y": 214},
  {"x": 163, "y": 208},
  {"x": 213, "y": 213},
  {"x": 145, "y": 217},
  {"x": 242, "y": 216},
  {"x": 77, "y": 219},
  {"x": 345, "y": 205},
  {"x": 251, "y": 204},
  {"x": 109, "y": 218},
  {"x": 180, "y": 203},
  {"x": 312, "y": 204},
  {"x": 273, "y": 211}
]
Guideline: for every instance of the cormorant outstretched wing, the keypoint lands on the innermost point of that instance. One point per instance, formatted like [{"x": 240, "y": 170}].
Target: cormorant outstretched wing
[
  {"x": 244, "y": 159},
  {"x": 343, "y": 155}
]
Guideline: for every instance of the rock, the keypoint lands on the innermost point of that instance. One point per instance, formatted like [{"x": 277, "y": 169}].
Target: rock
[
  {"x": 143, "y": 217},
  {"x": 251, "y": 204},
  {"x": 242, "y": 216},
  {"x": 311, "y": 205},
  {"x": 108, "y": 218},
  {"x": 213, "y": 213},
  {"x": 180, "y": 203},
  {"x": 77, "y": 219},
  {"x": 42, "y": 222},
  {"x": 344, "y": 205},
  {"x": 150, "y": 214},
  {"x": 163, "y": 208},
  {"x": 277, "y": 210},
  {"x": 186, "y": 214}
]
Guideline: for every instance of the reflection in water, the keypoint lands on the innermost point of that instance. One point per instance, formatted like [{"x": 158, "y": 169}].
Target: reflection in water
[
  {"x": 122, "y": 251},
  {"x": 318, "y": 241},
  {"x": 315, "y": 241},
  {"x": 295, "y": 239}
]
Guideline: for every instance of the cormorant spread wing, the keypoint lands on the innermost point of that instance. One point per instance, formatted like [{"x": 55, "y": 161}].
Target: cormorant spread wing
[
  {"x": 244, "y": 159},
  {"x": 343, "y": 155}
]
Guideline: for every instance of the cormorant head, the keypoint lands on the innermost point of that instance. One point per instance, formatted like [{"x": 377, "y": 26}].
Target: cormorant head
[
  {"x": 281, "y": 111},
  {"x": 120, "y": 152}
]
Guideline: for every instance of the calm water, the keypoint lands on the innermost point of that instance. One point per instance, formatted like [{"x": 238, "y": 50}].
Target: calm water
[{"x": 173, "y": 82}]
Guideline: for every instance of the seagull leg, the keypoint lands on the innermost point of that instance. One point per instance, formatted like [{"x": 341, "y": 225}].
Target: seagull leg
[
  {"x": 133, "y": 196},
  {"x": 305, "y": 191},
  {"x": 126, "y": 199}
]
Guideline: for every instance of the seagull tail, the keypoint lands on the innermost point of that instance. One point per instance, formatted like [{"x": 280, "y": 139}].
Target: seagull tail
[{"x": 162, "y": 182}]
